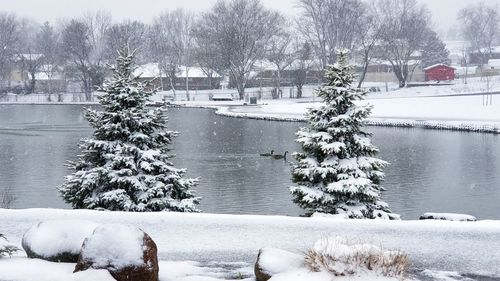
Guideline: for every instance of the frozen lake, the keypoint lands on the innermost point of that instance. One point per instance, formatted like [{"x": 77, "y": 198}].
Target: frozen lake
[{"x": 439, "y": 171}]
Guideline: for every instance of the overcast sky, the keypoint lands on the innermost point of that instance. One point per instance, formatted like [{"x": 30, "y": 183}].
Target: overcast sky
[{"x": 444, "y": 11}]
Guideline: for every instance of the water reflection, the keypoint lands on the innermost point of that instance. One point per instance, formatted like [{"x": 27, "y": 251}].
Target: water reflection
[{"x": 430, "y": 170}]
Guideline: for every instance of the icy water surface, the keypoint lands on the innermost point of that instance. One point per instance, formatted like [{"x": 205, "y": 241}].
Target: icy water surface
[{"x": 439, "y": 171}]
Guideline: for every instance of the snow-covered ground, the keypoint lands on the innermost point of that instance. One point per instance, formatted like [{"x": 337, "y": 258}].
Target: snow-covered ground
[
  {"x": 467, "y": 112},
  {"x": 225, "y": 246}
]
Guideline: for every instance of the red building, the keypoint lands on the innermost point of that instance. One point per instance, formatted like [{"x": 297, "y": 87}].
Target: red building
[{"x": 439, "y": 72}]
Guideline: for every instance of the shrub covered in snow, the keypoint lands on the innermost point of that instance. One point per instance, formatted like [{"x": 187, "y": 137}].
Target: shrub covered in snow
[
  {"x": 341, "y": 258},
  {"x": 125, "y": 251},
  {"x": 6, "y": 248},
  {"x": 337, "y": 172},
  {"x": 126, "y": 165},
  {"x": 58, "y": 241}
]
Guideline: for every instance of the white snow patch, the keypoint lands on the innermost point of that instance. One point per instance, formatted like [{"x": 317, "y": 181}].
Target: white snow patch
[
  {"x": 443, "y": 275},
  {"x": 301, "y": 275},
  {"x": 115, "y": 245},
  {"x": 215, "y": 237},
  {"x": 447, "y": 216},
  {"x": 50, "y": 238},
  {"x": 273, "y": 261},
  {"x": 319, "y": 215},
  {"x": 23, "y": 269}
]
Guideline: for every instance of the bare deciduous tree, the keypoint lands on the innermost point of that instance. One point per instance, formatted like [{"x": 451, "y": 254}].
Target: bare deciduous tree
[
  {"x": 239, "y": 31},
  {"x": 481, "y": 27},
  {"x": 128, "y": 33},
  {"x": 369, "y": 30},
  {"x": 405, "y": 27},
  {"x": 170, "y": 42},
  {"x": 280, "y": 54},
  {"x": 28, "y": 55},
  {"x": 83, "y": 43},
  {"x": 77, "y": 48},
  {"x": 329, "y": 25},
  {"x": 48, "y": 45},
  {"x": 206, "y": 55},
  {"x": 304, "y": 62},
  {"x": 9, "y": 36}
]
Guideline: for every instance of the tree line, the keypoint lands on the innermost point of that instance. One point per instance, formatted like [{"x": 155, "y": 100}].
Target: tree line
[{"x": 231, "y": 37}]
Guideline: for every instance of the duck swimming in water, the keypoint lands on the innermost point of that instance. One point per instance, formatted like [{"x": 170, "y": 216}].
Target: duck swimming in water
[
  {"x": 279, "y": 156},
  {"x": 268, "y": 154}
]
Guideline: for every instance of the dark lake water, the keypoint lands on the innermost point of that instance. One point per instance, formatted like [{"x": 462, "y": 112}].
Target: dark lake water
[{"x": 439, "y": 171}]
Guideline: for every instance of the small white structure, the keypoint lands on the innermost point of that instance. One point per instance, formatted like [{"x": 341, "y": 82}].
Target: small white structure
[{"x": 494, "y": 64}]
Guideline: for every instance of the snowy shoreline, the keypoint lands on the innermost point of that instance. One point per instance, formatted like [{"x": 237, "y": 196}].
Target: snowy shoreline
[
  {"x": 216, "y": 238},
  {"x": 454, "y": 112},
  {"x": 452, "y": 125}
]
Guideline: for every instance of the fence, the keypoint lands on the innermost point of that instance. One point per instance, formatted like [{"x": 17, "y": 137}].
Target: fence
[{"x": 46, "y": 98}]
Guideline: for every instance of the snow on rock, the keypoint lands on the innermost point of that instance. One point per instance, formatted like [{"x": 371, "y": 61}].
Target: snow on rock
[
  {"x": 273, "y": 261},
  {"x": 58, "y": 240},
  {"x": 125, "y": 250},
  {"x": 447, "y": 217}
]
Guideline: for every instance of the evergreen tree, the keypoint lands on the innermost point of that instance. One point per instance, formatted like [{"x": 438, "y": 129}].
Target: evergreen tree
[
  {"x": 434, "y": 51},
  {"x": 125, "y": 166},
  {"x": 337, "y": 173}
]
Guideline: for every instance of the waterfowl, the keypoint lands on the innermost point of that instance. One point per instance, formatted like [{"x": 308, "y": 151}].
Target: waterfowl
[
  {"x": 268, "y": 154},
  {"x": 279, "y": 156}
]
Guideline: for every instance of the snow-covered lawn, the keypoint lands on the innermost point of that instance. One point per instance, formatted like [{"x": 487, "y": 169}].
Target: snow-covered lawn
[{"x": 225, "y": 246}]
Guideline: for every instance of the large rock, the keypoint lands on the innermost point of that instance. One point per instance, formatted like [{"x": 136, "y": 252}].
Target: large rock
[
  {"x": 274, "y": 261},
  {"x": 57, "y": 241},
  {"x": 447, "y": 217},
  {"x": 128, "y": 253}
]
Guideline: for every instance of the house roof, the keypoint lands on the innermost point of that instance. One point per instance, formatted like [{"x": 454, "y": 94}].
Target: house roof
[
  {"x": 29, "y": 56},
  {"x": 438, "y": 64},
  {"x": 493, "y": 49},
  {"x": 151, "y": 70},
  {"x": 494, "y": 62}
]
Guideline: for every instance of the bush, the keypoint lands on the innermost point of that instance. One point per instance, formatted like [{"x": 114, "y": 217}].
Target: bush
[
  {"x": 6, "y": 249},
  {"x": 341, "y": 258}
]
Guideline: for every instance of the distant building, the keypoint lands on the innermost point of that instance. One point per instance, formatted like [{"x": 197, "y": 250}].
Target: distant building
[
  {"x": 196, "y": 78},
  {"x": 439, "y": 72},
  {"x": 264, "y": 74},
  {"x": 482, "y": 58},
  {"x": 494, "y": 64}
]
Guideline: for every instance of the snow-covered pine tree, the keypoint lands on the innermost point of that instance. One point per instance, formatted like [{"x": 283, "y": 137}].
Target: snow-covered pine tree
[
  {"x": 337, "y": 172},
  {"x": 126, "y": 165}
]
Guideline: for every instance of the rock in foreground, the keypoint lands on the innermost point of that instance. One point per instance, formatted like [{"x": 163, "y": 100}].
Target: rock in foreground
[
  {"x": 57, "y": 241},
  {"x": 126, "y": 252},
  {"x": 274, "y": 261}
]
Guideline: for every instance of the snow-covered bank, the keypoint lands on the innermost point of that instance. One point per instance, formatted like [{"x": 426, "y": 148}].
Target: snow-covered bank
[
  {"x": 462, "y": 113},
  {"x": 465, "y": 247}
]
